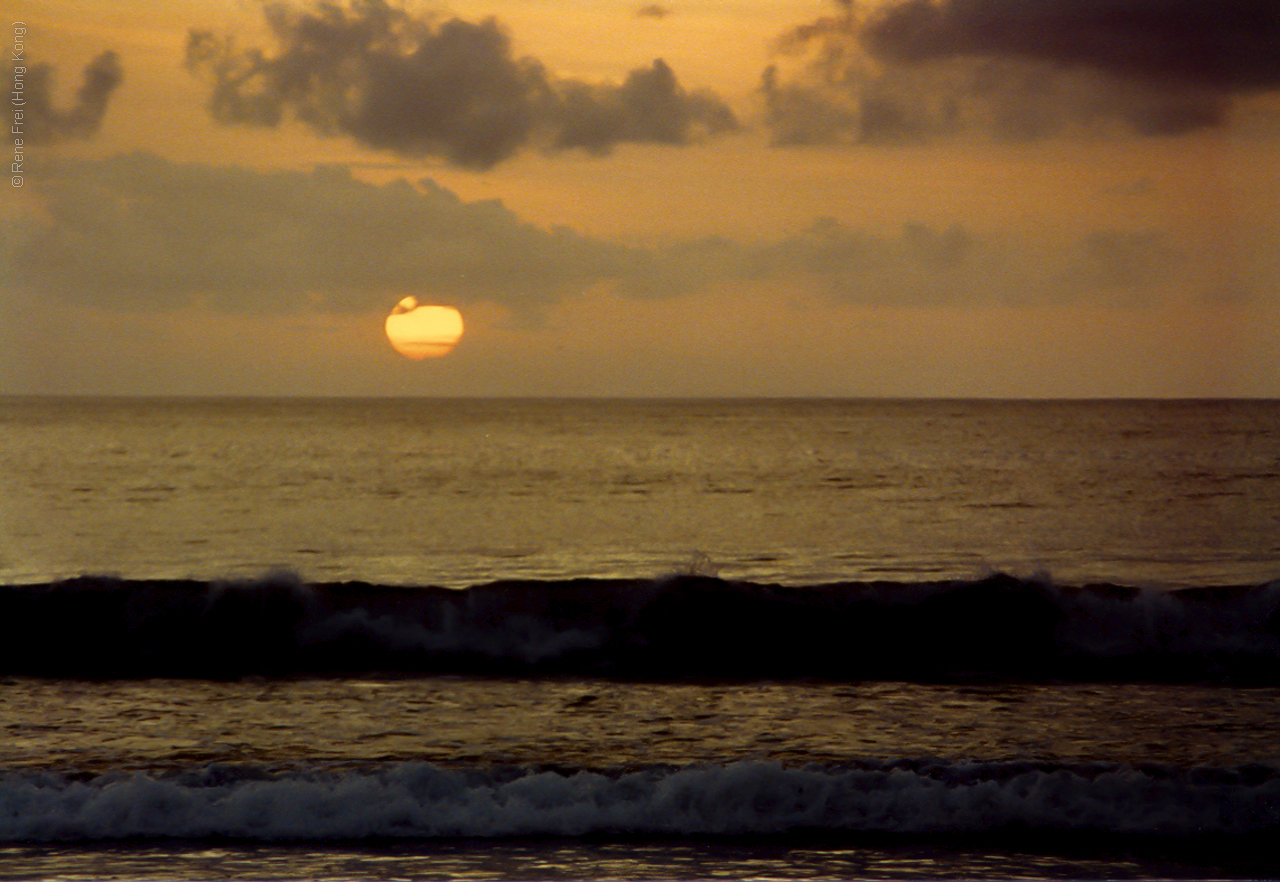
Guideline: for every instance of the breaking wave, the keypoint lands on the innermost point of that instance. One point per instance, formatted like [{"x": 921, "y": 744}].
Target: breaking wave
[
  {"x": 681, "y": 627},
  {"x": 748, "y": 798}
]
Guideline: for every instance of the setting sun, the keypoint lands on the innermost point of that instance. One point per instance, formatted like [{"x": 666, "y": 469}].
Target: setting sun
[{"x": 423, "y": 331}]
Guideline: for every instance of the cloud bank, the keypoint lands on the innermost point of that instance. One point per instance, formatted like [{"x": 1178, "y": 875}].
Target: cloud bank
[
  {"x": 1019, "y": 69},
  {"x": 421, "y": 86},
  {"x": 44, "y": 123},
  {"x": 141, "y": 233}
]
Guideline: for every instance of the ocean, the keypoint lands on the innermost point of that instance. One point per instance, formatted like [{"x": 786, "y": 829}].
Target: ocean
[{"x": 642, "y": 639}]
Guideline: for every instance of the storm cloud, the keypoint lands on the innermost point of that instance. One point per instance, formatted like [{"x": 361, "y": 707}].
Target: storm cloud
[
  {"x": 44, "y": 122},
  {"x": 421, "y": 86},
  {"x": 1019, "y": 69}
]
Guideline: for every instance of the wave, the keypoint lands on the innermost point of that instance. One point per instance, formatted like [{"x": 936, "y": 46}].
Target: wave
[
  {"x": 681, "y": 627},
  {"x": 418, "y": 800}
]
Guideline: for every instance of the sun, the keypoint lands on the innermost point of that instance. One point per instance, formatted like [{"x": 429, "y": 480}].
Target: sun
[{"x": 423, "y": 331}]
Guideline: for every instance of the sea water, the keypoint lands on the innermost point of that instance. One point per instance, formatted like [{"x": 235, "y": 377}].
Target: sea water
[{"x": 600, "y": 639}]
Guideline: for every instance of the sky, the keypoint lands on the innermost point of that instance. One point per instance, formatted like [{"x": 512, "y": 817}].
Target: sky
[{"x": 938, "y": 198}]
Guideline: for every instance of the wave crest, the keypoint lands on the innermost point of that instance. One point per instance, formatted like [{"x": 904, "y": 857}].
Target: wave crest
[
  {"x": 685, "y": 626},
  {"x": 747, "y": 798}
]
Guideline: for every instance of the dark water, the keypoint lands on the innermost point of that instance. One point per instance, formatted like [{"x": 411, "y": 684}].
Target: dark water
[{"x": 546, "y": 639}]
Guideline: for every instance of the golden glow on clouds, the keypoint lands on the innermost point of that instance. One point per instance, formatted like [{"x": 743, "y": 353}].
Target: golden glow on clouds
[
  {"x": 1022, "y": 316},
  {"x": 423, "y": 331}
]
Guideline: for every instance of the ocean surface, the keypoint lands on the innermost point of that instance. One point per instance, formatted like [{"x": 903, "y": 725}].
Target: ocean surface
[{"x": 542, "y": 639}]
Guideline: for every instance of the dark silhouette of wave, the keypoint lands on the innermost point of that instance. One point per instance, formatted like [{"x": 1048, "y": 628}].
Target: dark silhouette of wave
[{"x": 999, "y": 627}]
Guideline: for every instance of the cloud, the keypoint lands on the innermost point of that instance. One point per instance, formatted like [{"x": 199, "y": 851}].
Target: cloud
[
  {"x": 422, "y": 86},
  {"x": 1124, "y": 259},
  {"x": 1225, "y": 45},
  {"x": 919, "y": 266},
  {"x": 1018, "y": 69},
  {"x": 653, "y": 10},
  {"x": 923, "y": 266},
  {"x": 42, "y": 121},
  {"x": 649, "y": 106},
  {"x": 798, "y": 114},
  {"x": 140, "y": 232}
]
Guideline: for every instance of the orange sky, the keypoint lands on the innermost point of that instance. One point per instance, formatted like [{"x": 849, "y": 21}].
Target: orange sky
[{"x": 992, "y": 223}]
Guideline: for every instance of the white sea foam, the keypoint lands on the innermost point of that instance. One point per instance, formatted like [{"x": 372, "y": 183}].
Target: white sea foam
[{"x": 424, "y": 801}]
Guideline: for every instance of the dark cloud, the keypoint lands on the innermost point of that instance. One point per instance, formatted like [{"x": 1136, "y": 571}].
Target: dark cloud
[
  {"x": 649, "y": 106},
  {"x": 418, "y": 86},
  {"x": 1019, "y": 69},
  {"x": 797, "y": 114},
  {"x": 1222, "y": 45},
  {"x": 45, "y": 123}
]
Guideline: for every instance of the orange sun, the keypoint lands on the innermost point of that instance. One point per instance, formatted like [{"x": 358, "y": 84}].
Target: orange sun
[{"x": 423, "y": 331}]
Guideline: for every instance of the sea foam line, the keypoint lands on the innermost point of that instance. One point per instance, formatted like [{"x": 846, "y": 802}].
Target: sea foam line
[{"x": 418, "y": 800}]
